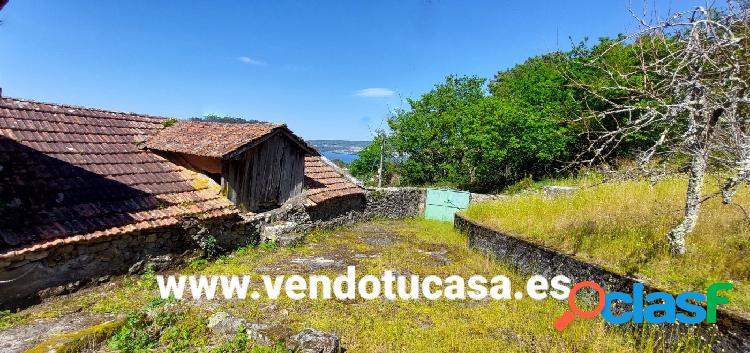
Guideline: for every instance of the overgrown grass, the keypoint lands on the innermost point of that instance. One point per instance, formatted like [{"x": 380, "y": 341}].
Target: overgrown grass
[
  {"x": 623, "y": 226},
  {"x": 456, "y": 326},
  {"x": 167, "y": 328},
  {"x": 365, "y": 326}
]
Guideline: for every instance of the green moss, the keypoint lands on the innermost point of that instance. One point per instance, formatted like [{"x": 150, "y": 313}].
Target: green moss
[
  {"x": 77, "y": 341},
  {"x": 7, "y": 319},
  {"x": 200, "y": 183}
]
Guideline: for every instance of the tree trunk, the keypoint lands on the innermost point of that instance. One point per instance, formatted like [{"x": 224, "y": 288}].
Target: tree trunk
[
  {"x": 698, "y": 165},
  {"x": 696, "y": 178},
  {"x": 731, "y": 186},
  {"x": 743, "y": 174}
]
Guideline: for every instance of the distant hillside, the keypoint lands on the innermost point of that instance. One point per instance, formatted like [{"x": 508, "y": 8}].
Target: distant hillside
[{"x": 339, "y": 146}]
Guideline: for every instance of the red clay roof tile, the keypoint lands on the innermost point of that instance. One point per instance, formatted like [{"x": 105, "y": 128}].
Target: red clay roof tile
[
  {"x": 324, "y": 183},
  {"x": 208, "y": 139},
  {"x": 72, "y": 174}
]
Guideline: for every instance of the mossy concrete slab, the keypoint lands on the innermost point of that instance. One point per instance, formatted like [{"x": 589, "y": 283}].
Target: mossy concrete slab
[
  {"x": 77, "y": 341},
  {"x": 24, "y": 337}
]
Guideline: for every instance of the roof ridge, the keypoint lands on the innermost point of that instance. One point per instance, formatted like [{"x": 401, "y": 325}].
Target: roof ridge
[
  {"x": 72, "y": 106},
  {"x": 198, "y": 122}
]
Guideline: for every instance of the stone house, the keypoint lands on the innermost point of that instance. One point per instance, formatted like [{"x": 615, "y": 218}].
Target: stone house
[{"x": 86, "y": 192}]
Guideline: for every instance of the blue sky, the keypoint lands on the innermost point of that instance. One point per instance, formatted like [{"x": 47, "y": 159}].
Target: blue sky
[{"x": 329, "y": 69}]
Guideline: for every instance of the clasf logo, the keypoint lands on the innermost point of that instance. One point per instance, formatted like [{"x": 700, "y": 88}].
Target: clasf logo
[{"x": 659, "y": 307}]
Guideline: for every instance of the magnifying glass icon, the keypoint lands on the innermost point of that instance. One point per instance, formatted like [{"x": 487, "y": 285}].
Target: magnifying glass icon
[{"x": 569, "y": 315}]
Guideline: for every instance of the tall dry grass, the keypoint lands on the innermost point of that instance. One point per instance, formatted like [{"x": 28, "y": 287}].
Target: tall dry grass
[{"x": 623, "y": 226}]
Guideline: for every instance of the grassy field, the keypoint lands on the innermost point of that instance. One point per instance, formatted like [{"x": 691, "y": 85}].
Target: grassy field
[
  {"x": 409, "y": 247},
  {"x": 622, "y": 226}
]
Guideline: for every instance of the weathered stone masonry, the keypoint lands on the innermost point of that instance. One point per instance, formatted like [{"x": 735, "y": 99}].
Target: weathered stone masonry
[
  {"x": 531, "y": 258},
  {"x": 24, "y": 279}
]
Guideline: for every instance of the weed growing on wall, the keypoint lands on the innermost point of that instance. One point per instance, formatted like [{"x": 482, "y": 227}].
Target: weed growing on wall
[
  {"x": 148, "y": 278},
  {"x": 208, "y": 244}
]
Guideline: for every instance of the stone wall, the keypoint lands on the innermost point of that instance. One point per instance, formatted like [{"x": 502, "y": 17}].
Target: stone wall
[
  {"x": 27, "y": 278},
  {"x": 402, "y": 202},
  {"x": 528, "y": 257},
  {"x": 293, "y": 217}
]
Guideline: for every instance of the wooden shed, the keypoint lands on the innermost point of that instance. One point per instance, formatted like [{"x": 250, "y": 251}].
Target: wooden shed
[{"x": 259, "y": 166}]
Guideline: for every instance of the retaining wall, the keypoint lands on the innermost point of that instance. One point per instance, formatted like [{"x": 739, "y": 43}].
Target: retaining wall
[
  {"x": 29, "y": 277},
  {"x": 528, "y": 257}
]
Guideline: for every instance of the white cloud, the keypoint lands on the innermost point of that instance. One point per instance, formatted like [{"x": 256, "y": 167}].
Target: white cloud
[
  {"x": 250, "y": 61},
  {"x": 374, "y": 92}
]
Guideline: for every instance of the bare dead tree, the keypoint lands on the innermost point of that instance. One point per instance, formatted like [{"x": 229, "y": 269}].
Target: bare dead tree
[{"x": 688, "y": 87}]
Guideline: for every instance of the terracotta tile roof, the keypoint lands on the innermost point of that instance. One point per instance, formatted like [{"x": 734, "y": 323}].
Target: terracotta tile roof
[
  {"x": 323, "y": 182},
  {"x": 70, "y": 173},
  {"x": 213, "y": 139}
]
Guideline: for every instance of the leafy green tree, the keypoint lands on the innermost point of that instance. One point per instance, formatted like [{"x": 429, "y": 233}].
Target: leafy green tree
[
  {"x": 507, "y": 142},
  {"x": 539, "y": 83},
  {"x": 597, "y": 90},
  {"x": 528, "y": 121},
  {"x": 458, "y": 134},
  {"x": 430, "y": 133}
]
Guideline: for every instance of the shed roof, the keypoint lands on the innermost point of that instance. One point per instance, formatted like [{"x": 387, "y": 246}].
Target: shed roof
[
  {"x": 324, "y": 183},
  {"x": 220, "y": 140}
]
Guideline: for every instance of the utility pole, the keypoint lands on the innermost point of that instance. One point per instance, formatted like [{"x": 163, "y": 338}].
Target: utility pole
[{"x": 380, "y": 166}]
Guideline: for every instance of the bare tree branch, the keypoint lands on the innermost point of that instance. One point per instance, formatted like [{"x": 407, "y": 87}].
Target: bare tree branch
[{"x": 689, "y": 88}]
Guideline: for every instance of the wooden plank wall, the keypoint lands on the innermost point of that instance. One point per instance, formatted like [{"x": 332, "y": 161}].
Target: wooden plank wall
[{"x": 265, "y": 176}]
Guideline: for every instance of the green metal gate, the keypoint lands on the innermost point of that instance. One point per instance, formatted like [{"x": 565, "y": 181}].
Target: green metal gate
[{"x": 442, "y": 204}]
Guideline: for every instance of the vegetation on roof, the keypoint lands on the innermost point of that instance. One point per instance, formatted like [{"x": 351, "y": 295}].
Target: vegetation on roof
[
  {"x": 213, "y": 118},
  {"x": 169, "y": 122}
]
